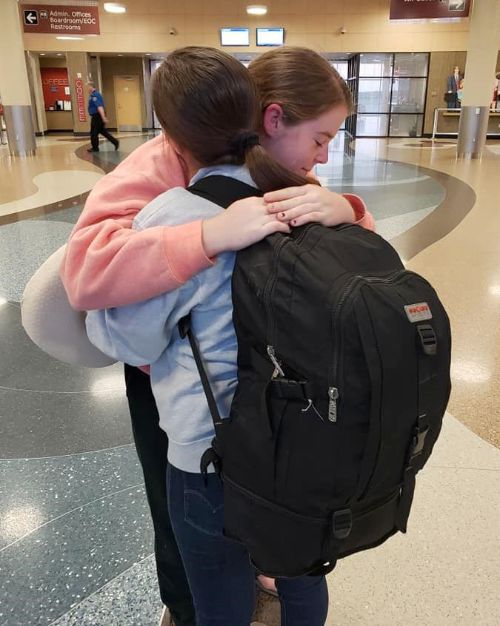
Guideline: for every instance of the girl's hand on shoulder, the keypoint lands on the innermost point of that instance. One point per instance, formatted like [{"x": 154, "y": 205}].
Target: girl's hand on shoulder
[
  {"x": 309, "y": 203},
  {"x": 241, "y": 224}
]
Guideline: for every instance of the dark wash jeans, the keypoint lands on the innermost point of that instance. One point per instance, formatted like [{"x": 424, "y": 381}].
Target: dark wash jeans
[
  {"x": 220, "y": 574},
  {"x": 151, "y": 443}
]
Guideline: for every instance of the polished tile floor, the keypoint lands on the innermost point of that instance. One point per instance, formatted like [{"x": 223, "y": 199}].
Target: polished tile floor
[{"x": 75, "y": 536}]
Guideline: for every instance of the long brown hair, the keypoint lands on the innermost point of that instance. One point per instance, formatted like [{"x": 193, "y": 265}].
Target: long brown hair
[
  {"x": 207, "y": 103},
  {"x": 301, "y": 81}
]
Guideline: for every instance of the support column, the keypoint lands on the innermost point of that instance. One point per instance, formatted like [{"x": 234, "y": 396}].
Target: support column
[
  {"x": 79, "y": 73},
  {"x": 148, "y": 103},
  {"x": 14, "y": 85},
  {"x": 36, "y": 89},
  {"x": 479, "y": 76}
]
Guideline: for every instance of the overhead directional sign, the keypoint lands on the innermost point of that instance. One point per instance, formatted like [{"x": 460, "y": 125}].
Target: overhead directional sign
[
  {"x": 58, "y": 19},
  {"x": 428, "y": 9},
  {"x": 30, "y": 17}
]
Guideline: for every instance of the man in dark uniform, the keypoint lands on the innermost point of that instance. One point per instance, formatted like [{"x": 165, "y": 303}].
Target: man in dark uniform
[{"x": 98, "y": 120}]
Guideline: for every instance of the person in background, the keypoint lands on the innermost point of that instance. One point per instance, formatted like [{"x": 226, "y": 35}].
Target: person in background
[
  {"x": 495, "y": 101},
  {"x": 460, "y": 91},
  {"x": 452, "y": 86},
  {"x": 98, "y": 120}
]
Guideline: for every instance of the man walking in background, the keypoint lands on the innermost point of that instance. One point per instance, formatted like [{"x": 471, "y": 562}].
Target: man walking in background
[{"x": 98, "y": 120}]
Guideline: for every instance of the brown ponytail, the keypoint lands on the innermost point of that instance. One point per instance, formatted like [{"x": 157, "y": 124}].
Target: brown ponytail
[
  {"x": 269, "y": 175},
  {"x": 207, "y": 102}
]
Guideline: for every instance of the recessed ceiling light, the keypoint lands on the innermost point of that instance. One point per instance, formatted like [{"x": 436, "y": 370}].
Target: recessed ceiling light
[
  {"x": 114, "y": 7},
  {"x": 69, "y": 37},
  {"x": 148, "y": 54},
  {"x": 42, "y": 54},
  {"x": 256, "y": 9},
  {"x": 120, "y": 55},
  {"x": 59, "y": 54}
]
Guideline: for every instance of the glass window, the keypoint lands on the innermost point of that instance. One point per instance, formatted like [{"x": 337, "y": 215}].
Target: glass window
[
  {"x": 406, "y": 125},
  {"x": 341, "y": 67},
  {"x": 375, "y": 64},
  {"x": 411, "y": 64},
  {"x": 153, "y": 66},
  {"x": 372, "y": 126},
  {"x": 408, "y": 95},
  {"x": 374, "y": 95}
]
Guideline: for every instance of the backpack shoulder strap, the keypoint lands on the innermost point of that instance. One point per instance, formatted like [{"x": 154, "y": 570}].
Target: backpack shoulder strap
[{"x": 221, "y": 190}]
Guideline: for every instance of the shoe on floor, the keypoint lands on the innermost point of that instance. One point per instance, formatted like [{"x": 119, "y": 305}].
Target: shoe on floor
[
  {"x": 93, "y": 150},
  {"x": 266, "y": 584},
  {"x": 117, "y": 144},
  {"x": 165, "y": 619}
]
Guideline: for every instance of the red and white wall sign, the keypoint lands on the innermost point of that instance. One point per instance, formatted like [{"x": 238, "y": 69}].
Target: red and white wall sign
[{"x": 80, "y": 99}]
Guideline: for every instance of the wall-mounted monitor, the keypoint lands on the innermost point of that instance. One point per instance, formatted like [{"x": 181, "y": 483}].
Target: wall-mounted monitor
[
  {"x": 235, "y": 37},
  {"x": 270, "y": 36}
]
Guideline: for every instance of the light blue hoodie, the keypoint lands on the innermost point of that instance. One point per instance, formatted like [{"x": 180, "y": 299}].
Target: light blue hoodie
[{"x": 146, "y": 333}]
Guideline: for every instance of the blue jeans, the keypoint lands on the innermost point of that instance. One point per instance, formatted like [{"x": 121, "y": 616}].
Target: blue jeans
[{"x": 219, "y": 571}]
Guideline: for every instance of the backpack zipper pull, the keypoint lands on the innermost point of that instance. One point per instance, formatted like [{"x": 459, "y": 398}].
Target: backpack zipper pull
[
  {"x": 333, "y": 394},
  {"x": 272, "y": 356}
]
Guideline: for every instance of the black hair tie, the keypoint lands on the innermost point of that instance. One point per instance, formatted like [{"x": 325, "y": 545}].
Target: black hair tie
[{"x": 244, "y": 141}]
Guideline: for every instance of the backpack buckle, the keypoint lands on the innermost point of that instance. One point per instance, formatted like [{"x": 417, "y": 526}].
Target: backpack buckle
[
  {"x": 210, "y": 456},
  {"x": 428, "y": 339},
  {"x": 342, "y": 523},
  {"x": 418, "y": 440}
]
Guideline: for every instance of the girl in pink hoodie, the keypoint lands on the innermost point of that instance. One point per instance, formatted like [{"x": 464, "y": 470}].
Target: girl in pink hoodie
[{"x": 108, "y": 264}]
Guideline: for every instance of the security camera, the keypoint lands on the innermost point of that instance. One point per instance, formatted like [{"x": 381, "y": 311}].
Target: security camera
[
  {"x": 343, "y": 30},
  {"x": 172, "y": 31}
]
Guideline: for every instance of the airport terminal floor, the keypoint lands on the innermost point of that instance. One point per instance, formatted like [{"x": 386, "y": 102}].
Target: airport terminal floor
[{"x": 75, "y": 534}]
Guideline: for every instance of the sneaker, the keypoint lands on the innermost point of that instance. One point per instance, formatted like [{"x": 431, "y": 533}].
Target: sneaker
[
  {"x": 165, "y": 619},
  {"x": 266, "y": 584},
  {"x": 93, "y": 150}
]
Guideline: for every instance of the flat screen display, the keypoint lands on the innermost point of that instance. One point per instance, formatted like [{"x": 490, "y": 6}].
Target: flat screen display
[
  {"x": 270, "y": 36},
  {"x": 235, "y": 37}
]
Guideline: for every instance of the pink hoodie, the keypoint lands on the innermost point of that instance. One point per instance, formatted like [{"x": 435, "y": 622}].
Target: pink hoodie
[{"x": 108, "y": 264}]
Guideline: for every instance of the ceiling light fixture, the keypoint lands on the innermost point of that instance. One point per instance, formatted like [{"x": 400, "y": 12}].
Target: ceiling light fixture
[
  {"x": 256, "y": 9},
  {"x": 114, "y": 7},
  {"x": 70, "y": 38},
  {"x": 42, "y": 54}
]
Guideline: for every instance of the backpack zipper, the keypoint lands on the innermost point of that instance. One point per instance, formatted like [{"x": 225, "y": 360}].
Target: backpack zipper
[
  {"x": 349, "y": 288},
  {"x": 275, "y": 362},
  {"x": 267, "y": 303},
  {"x": 333, "y": 392},
  {"x": 270, "y": 349}
]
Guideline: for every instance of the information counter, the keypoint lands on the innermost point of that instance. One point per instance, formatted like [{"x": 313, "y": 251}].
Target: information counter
[
  {"x": 446, "y": 123},
  {"x": 59, "y": 120}
]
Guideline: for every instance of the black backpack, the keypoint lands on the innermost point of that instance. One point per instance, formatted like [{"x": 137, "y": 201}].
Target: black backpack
[{"x": 343, "y": 381}]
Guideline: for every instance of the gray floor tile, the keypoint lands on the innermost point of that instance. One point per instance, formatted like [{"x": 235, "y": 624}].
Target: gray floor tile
[
  {"x": 40, "y": 424},
  {"x": 67, "y": 560},
  {"x": 34, "y": 492}
]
